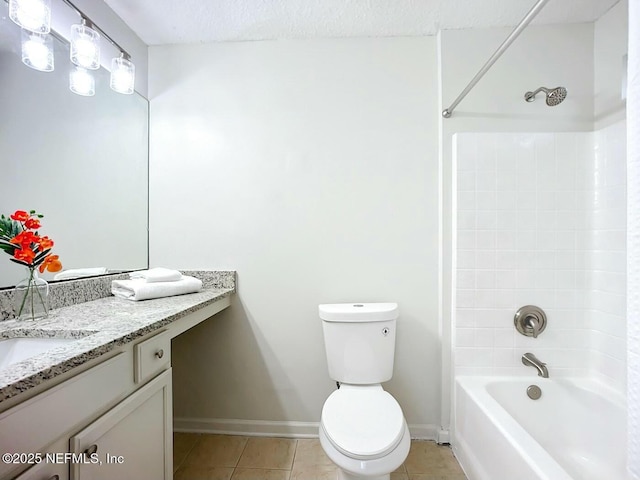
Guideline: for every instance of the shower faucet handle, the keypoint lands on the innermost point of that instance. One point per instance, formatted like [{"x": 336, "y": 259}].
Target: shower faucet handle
[
  {"x": 534, "y": 324},
  {"x": 530, "y": 321}
]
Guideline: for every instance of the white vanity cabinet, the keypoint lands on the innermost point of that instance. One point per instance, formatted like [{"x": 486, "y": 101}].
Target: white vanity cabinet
[
  {"x": 109, "y": 418},
  {"x": 109, "y": 410}
]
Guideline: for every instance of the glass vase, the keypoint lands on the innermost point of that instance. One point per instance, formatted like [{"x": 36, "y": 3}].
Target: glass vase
[{"x": 31, "y": 297}]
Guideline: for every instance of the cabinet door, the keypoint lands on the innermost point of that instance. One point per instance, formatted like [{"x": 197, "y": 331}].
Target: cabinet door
[{"x": 132, "y": 441}]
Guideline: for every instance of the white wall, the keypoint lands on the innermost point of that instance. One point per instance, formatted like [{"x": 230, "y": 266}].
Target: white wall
[
  {"x": 633, "y": 246},
  {"x": 311, "y": 168},
  {"x": 610, "y": 47}
]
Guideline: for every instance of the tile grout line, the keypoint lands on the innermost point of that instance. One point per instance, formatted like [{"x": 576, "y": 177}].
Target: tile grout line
[
  {"x": 184, "y": 459},
  {"x": 235, "y": 467}
]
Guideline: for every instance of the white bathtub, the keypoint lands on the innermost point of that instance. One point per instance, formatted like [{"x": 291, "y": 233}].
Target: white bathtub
[{"x": 575, "y": 431}]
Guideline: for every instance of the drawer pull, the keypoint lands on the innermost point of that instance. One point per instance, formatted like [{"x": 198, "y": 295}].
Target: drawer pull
[
  {"x": 160, "y": 353},
  {"x": 91, "y": 450},
  {"x": 55, "y": 477}
]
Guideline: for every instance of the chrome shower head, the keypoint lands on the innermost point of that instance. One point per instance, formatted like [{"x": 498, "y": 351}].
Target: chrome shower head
[{"x": 555, "y": 96}]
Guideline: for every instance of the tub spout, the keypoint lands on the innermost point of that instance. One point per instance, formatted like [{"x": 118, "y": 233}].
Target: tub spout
[{"x": 530, "y": 360}]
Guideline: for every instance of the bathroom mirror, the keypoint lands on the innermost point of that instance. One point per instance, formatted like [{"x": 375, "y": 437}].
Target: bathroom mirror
[{"x": 82, "y": 162}]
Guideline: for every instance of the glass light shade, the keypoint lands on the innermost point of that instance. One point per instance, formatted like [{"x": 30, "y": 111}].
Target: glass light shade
[
  {"x": 85, "y": 47},
  {"x": 82, "y": 82},
  {"x": 123, "y": 75},
  {"x": 37, "y": 51},
  {"x": 32, "y": 15}
]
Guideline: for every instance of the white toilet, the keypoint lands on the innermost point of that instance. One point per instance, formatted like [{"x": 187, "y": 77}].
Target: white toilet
[{"x": 362, "y": 428}]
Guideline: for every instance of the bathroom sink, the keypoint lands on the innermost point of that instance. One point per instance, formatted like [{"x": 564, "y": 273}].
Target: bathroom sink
[{"x": 14, "y": 350}]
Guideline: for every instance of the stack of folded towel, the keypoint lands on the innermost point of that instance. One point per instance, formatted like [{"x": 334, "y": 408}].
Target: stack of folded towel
[{"x": 155, "y": 283}]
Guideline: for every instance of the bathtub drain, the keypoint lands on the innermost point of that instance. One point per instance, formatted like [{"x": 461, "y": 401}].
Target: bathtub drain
[{"x": 534, "y": 392}]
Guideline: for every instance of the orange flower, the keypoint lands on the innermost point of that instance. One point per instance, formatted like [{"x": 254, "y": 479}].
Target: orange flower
[
  {"x": 25, "y": 255},
  {"x": 20, "y": 216},
  {"x": 45, "y": 243},
  {"x": 51, "y": 263},
  {"x": 25, "y": 239},
  {"x": 32, "y": 223}
]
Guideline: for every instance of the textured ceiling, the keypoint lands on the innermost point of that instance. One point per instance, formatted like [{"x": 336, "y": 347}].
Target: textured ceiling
[{"x": 160, "y": 22}]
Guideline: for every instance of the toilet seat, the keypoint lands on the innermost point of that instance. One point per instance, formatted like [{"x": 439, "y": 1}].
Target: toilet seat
[{"x": 362, "y": 422}]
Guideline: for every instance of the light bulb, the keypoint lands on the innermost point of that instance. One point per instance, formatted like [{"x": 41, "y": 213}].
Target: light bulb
[
  {"x": 122, "y": 75},
  {"x": 37, "y": 51},
  {"x": 85, "y": 47},
  {"x": 32, "y": 15},
  {"x": 82, "y": 82}
]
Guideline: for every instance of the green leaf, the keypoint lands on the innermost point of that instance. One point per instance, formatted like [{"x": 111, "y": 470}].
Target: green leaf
[
  {"x": 19, "y": 262},
  {"x": 7, "y": 247},
  {"x": 41, "y": 256}
]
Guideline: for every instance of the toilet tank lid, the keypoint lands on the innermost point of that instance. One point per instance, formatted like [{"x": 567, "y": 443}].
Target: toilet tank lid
[{"x": 358, "y": 312}]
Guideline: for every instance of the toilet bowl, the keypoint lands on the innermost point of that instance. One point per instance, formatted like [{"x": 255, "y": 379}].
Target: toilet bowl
[
  {"x": 362, "y": 427},
  {"x": 363, "y": 431}
]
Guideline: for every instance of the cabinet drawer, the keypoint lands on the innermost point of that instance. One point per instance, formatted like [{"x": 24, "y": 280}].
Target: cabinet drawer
[
  {"x": 152, "y": 356},
  {"x": 51, "y": 468}
]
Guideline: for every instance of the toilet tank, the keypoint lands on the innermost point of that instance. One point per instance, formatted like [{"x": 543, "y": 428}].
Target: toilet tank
[{"x": 360, "y": 340}]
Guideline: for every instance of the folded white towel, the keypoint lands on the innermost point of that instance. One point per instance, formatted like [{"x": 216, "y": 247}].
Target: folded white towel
[
  {"x": 139, "y": 289},
  {"x": 80, "y": 272},
  {"x": 158, "y": 274}
]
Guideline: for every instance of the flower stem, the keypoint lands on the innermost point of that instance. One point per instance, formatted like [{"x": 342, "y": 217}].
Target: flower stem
[{"x": 26, "y": 294}]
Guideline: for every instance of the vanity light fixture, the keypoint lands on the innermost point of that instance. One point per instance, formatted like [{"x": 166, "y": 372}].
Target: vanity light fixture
[
  {"x": 82, "y": 82},
  {"x": 84, "y": 50},
  {"x": 37, "y": 50},
  {"x": 123, "y": 74},
  {"x": 32, "y": 15}
]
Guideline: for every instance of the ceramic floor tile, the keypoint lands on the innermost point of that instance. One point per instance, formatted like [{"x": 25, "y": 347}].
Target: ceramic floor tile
[
  {"x": 399, "y": 476},
  {"x": 216, "y": 451},
  {"x": 182, "y": 445},
  {"x": 241, "y": 473},
  {"x": 427, "y": 457},
  {"x": 400, "y": 469},
  {"x": 309, "y": 452},
  {"x": 268, "y": 453},
  {"x": 212, "y": 457},
  {"x": 314, "y": 472},
  {"x": 198, "y": 472}
]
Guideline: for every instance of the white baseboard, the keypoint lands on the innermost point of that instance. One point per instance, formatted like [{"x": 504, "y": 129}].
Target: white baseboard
[
  {"x": 443, "y": 436},
  {"x": 422, "y": 431},
  {"x": 253, "y": 428},
  {"x": 262, "y": 428}
]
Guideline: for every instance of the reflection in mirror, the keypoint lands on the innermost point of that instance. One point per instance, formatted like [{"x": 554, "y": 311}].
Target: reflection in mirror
[{"x": 80, "y": 161}]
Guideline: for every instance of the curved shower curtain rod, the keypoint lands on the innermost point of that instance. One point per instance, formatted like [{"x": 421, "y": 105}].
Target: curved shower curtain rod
[{"x": 446, "y": 113}]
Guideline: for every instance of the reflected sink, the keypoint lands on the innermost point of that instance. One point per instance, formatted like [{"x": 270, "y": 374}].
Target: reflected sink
[{"x": 14, "y": 350}]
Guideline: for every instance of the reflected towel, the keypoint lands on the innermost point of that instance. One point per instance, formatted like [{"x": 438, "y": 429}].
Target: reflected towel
[
  {"x": 80, "y": 272},
  {"x": 158, "y": 274},
  {"x": 139, "y": 289}
]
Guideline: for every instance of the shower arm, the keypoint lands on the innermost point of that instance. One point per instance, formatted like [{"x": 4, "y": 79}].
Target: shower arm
[{"x": 446, "y": 113}]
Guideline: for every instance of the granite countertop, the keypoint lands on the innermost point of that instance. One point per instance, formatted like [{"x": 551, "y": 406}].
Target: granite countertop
[{"x": 99, "y": 326}]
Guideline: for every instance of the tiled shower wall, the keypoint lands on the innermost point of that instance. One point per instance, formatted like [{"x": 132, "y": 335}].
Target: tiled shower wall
[
  {"x": 607, "y": 305},
  {"x": 538, "y": 222}
]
